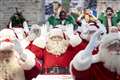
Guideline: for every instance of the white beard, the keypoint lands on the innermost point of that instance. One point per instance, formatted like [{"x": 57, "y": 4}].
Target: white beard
[
  {"x": 10, "y": 69},
  {"x": 57, "y": 47},
  {"x": 111, "y": 60}
]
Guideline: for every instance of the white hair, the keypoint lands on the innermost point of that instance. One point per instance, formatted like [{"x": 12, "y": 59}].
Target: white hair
[
  {"x": 110, "y": 57},
  {"x": 111, "y": 60},
  {"x": 57, "y": 47}
]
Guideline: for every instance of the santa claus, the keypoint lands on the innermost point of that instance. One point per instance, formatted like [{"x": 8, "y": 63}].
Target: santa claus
[
  {"x": 101, "y": 66},
  {"x": 14, "y": 60},
  {"x": 56, "y": 51}
]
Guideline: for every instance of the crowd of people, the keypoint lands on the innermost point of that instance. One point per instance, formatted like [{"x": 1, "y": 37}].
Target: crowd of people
[{"x": 82, "y": 45}]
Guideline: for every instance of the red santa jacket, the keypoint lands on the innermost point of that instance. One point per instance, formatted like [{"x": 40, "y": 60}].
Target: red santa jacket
[
  {"x": 32, "y": 73},
  {"x": 96, "y": 71},
  {"x": 52, "y": 60},
  {"x": 29, "y": 64},
  {"x": 36, "y": 69}
]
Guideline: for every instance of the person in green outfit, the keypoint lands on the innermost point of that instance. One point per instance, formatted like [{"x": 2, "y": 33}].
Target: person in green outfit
[
  {"x": 63, "y": 19},
  {"x": 57, "y": 7},
  {"x": 17, "y": 20},
  {"x": 109, "y": 19},
  {"x": 18, "y": 24}
]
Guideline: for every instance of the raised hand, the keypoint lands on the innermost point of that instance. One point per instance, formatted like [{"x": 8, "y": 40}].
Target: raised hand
[
  {"x": 44, "y": 30},
  {"x": 19, "y": 49},
  {"x": 34, "y": 32}
]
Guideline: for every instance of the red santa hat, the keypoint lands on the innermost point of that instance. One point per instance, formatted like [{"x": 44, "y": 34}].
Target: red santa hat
[
  {"x": 6, "y": 37},
  {"x": 6, "y": 44}
]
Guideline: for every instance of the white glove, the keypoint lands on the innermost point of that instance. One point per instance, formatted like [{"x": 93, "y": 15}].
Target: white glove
[
  {"x": 44, "y": 30},
  {"x": 27, "y": 58},
  {"x": 94, "y": 40},
  {"x": 26, "y": 28},
  {"x": 34, "y": 32},
  {"x": 19, "y": 49},
  {"x": 74, "y": 38},
  {"x": 82, "y": 61}
]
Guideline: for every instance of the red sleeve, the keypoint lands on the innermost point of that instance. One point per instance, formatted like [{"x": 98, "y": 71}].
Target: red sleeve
[
  {"x": 80, "y": 47},
  {"x": 81, "y": 75},
  {"x": 36, "y": 50},
  {"x": 36, "y": 70}
]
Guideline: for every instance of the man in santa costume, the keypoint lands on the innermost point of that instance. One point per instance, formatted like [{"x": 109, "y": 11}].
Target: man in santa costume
[
  {"x": 103, "y": 65},
  {"x": 15, "y": 61},
  {"x": 57, "y": 50}
]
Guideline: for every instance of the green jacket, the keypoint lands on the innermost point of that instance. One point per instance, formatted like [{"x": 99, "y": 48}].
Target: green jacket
[
  {"x": 103, "y": 19},
  {"x": 52, "y": 20},
  {"x": 17, "y": 22}
]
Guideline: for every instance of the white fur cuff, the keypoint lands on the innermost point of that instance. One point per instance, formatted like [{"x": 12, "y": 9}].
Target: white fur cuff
[
  {"x": 29, "y": 61},
  {"x": 40, "y": 42},
  {"x": 75, "y": 40},
  {"x": 81, "y": 63}
]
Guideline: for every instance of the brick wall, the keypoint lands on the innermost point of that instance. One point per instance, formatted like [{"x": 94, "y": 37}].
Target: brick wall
[{"x": 33, "y": 10}]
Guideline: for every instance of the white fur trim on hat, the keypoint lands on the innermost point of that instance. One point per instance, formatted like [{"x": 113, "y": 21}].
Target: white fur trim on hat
[
  {"x": 75, "y": 40},
  {"x": 80, "y": 63},
  {"x": 6, "y": 45},
  {"x": 7, "y": 34},
  {"x": 40, "y": 41},
  {"x": 109, "y": 38},
  {"x": 29, "y": 61}
]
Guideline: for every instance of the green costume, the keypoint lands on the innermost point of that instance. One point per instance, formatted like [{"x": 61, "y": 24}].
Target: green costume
[
  {"x": 103, "y": 19},
  {"x": 118, "y": 14},
  {"x": 53, "y": 20},
  {"x": 17, "y": 22},
  {"x": 56, "y": 21}
]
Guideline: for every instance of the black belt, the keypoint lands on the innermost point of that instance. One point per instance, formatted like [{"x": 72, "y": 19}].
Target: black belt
[{"x": 57, "y": 70}]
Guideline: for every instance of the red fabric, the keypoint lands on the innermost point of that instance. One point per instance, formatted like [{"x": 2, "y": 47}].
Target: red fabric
[
  {"x": 36, "y": 50},
  {"x": 30, "y": 74},
  {"x": 97, "y": 71},
  {"x": 52, "y": 60}
]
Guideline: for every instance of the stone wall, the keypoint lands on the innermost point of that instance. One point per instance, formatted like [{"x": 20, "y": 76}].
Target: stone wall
[{"x": 33, "y": 10}]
